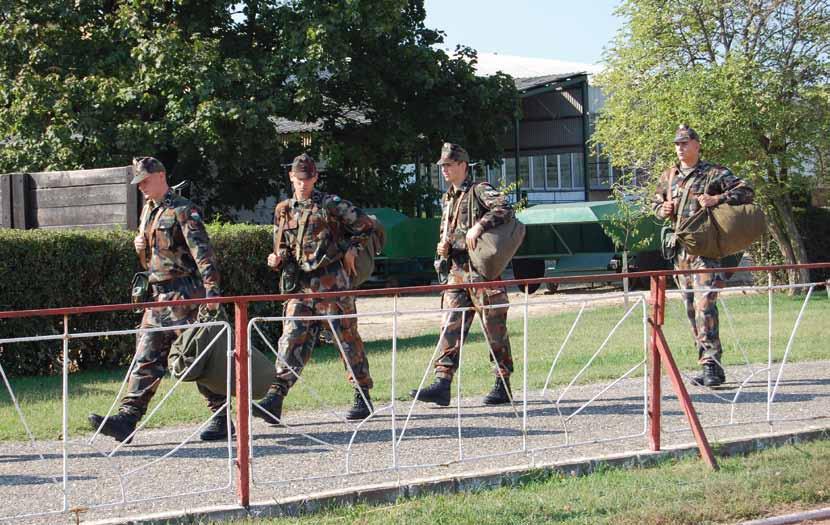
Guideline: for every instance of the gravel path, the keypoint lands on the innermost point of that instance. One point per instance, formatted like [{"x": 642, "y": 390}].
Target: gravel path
[{"x": 313, "y": 454}]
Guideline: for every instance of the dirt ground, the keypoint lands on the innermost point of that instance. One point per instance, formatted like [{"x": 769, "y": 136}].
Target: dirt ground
[{"x": 420, "y": 313}]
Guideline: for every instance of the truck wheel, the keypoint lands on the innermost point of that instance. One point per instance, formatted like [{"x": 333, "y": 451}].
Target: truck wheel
[
  {"x": 552, "y": 287},
  {"x": 528, "y": 269}
]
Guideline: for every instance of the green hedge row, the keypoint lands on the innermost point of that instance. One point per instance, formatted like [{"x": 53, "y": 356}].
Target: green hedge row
[{"x": 49, "y": 269}]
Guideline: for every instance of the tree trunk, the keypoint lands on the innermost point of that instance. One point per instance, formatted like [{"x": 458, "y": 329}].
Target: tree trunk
[{"x": 784, "y": 231}]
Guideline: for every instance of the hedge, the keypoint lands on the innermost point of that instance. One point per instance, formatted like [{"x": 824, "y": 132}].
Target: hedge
[{"x": 58, "y": 268}]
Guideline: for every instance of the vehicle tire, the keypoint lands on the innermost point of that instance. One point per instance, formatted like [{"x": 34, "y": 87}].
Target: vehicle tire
[
  {"x": 528, "y": 269},
  {"x": 552, "y": 287}
]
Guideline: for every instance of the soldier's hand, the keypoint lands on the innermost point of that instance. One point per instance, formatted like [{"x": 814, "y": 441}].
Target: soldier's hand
[
  {"x": 443, "y": 248},
  {"x": 140, "y": 243},
  {"x": 348, "y": 261},
  {"x": 274, "y": 261},
  {"x": 707, "y": 201},
  {"x": 667, "y": 209},
  {"x": 473, "y": 234}
]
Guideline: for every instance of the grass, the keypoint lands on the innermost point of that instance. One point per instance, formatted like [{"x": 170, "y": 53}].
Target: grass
[
  {"x": 95, "y": 391},
  {"x": 774, "y": 481}
]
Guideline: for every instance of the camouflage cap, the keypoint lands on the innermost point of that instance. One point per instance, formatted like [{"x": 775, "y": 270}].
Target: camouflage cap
[
  {"x": 684, "y": 134},
  {"x": 304, "y": 167},
  {"x": 453, "y": 153},
  {"x": 143, "y": 167}
]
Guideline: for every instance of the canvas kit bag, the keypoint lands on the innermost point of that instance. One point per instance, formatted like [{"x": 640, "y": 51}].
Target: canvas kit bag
[
  {"x": 721, "y": 230},
  {"x": 365, "y": 261},
  {"x": 497, "y": 246},
  {"x": 212, "y": 369}
]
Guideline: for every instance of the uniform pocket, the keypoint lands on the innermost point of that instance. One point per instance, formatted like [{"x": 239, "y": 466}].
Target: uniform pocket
[{"x": 165, "y": 232}]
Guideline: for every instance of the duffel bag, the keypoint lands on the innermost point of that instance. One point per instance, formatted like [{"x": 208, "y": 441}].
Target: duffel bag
[
  {"x": 365, "y": 261},
  {"x": 721, "y": 230},
  {"x": 211, "y": 370},
  {"x": 496, "y": 247}
]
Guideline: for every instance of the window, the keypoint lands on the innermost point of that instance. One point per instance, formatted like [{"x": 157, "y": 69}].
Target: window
[
  {"x": 537, "y": 172},
  {"x": 524, "y": 172},
  {"x": 577, "y": 173},
  {"x": 552, "y": 180},
  {"x": 565, "y": 171},
  {"x": 509, "y": 171}
]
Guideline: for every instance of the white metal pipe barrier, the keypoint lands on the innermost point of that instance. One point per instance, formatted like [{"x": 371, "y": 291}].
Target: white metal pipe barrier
[
  {"x": 738, "y": 401},
  {"x": 116, "y": 471},
  {"x": 395, "y": 465}
]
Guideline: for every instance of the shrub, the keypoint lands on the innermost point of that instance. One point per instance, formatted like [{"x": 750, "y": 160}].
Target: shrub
[{"x": 58, "y": 268}]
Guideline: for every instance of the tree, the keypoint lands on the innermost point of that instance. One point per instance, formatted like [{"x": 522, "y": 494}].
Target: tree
[
  {"x": 751, "y": 76},
  {"x": 199, "y": 83}
]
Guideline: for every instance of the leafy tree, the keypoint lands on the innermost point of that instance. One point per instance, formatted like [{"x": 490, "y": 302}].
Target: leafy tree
[
  {"x": 751, "y": 76},
  {"x": 199, "y": 83}
]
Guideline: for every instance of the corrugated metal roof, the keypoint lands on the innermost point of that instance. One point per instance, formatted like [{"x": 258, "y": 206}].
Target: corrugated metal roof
[{"x": 528, "y": 83}]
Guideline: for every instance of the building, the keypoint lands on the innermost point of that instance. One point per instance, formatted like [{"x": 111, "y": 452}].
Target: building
[{"x": 548, "y": 146}]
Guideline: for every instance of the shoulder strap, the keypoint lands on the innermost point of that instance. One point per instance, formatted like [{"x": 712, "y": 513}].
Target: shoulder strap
[
  {"x": 298, "y": 247},
  {"x": 279, "y": 221},
  {"x": 151, "y": 242}
]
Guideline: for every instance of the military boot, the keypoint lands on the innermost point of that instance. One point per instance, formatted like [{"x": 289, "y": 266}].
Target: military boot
[
  {"x": 438, "y": 392},
  {"x": 217, "y": 429},
  {"x": 118, "y": 426},
  {"x": 272, "y": 402},
  {"x": 360, "y": 408},
  {"x": 500, "y": 394},
  {"x": 712, "y": 375}
]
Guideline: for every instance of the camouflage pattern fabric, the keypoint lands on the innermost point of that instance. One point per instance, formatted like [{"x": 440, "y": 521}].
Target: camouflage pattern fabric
[
  {"x": 701, "y": 307},
  {"x": 497, "y": 210},
  {"x": 490, "y": 209},
  {"x": 333, "y": 226},
  {"x": 299, "y": 337},
  {"x": 734, "y": 189},
  {"x": 182, "y": 266},
  {"x": 494, "y": 320},
  {"x": 180, "y": 244}
]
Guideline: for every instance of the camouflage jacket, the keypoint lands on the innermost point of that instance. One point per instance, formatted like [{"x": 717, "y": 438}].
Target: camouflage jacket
[
  {"x": 732, "y": 189},
  {"x": 332, "y": 227},
  {"x": 179, "y": 244},
  {"x": 489, "y": 208}
]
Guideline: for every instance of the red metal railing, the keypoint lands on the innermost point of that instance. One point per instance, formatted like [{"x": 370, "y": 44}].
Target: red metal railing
[{"x": 660, "y": 354}]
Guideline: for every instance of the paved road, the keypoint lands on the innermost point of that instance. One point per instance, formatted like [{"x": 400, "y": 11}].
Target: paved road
[{"x": 313, "y": 454}]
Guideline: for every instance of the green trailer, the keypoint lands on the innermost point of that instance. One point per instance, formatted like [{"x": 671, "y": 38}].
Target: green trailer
[
  {"x": 407, "y": 258},
  {"x": 569, "y": 239}
]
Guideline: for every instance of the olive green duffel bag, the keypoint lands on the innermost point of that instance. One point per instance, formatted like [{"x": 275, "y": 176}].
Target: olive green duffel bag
[
  {"x": 365, "y": 261},
  {"x": 212, "y": 369},
  {"x": 721, "y": 230},
  {"x": 496, "y": 247}
]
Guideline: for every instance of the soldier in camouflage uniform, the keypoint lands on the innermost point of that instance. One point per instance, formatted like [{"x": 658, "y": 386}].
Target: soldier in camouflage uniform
[
  {"x": 724, "y": 188},
  {"x": 322, "y": 235},
  {"x": 461, "y": 231},
  {"x": 181, "y": 266}
]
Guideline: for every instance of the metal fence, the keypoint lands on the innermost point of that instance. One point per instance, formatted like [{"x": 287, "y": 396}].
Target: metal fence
[{"x": 398, "y": 436}]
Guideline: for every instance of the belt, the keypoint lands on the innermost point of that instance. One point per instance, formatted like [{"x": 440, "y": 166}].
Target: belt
[{"x": 172, "y": 285}]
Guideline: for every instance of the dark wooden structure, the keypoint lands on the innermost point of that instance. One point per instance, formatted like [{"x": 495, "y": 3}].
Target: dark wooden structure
[{"x": 99, "y": 198}]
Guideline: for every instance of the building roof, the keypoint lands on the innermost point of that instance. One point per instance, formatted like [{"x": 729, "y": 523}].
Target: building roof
[{"x": 524, "y": 85}]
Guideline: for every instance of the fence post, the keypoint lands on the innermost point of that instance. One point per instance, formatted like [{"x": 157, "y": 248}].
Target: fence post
[
  {"x": 243, "y": 455},
  {"x": 657, "y": 300}
]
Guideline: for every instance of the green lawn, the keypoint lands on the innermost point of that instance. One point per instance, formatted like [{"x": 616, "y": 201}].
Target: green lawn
[
  {"x": 95, "y": 391},
  {"x": 774, "y": 481}
]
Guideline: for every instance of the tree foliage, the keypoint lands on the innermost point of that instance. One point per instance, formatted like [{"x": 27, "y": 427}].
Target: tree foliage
[
  {"x": 751, "y": 76},
  {"x": 198, "y": 83}
]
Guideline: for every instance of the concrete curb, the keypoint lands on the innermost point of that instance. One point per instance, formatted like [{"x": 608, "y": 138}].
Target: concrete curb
[
  {"x": 387, "y": 493},
  {"x": 798, "y": 517}
]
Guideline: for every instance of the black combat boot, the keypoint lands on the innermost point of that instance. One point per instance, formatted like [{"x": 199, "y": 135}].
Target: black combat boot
[
  {"x": 360, "y": 408},
  {"x": 438, "y": 392},
  {"x": 272, "y": 402},
  {"x": 217, "y": 429},
  {"x": 118, "y": 426},
  {"x": 713, "y": 375},
  {"x": 500, "y": 394}
]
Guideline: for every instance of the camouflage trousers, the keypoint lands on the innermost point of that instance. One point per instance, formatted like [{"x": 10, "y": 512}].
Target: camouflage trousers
[
  {"x": 153, "y": 347},
  {"x": 458, "y": 323},
  {"x": 701, "y": 307},
  {"x": 300, "y": 336}
]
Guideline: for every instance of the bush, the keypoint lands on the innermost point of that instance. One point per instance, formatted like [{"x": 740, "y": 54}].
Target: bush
[{"x": 59, "y": 268}]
